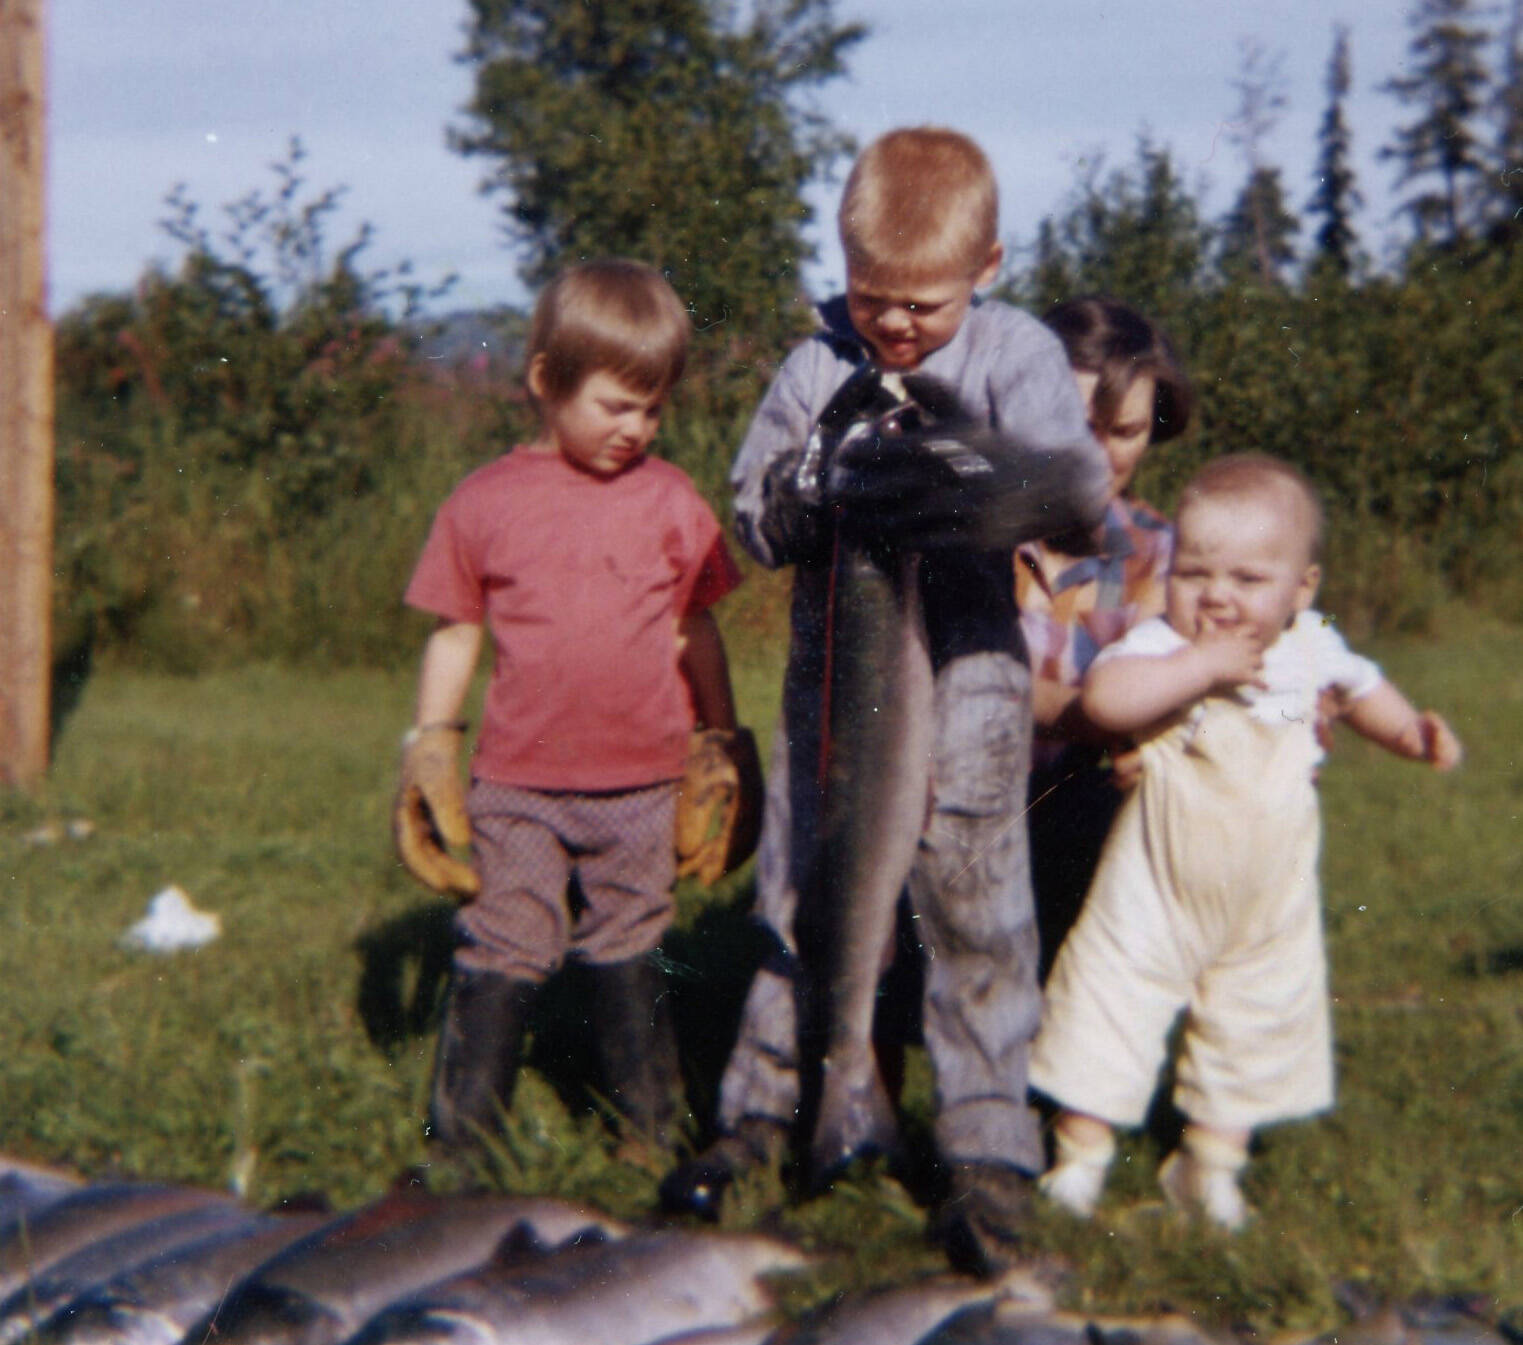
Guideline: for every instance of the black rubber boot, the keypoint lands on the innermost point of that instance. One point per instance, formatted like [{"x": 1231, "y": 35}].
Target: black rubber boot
[
  {"x": 698, "y": 1185},
  {"x": 637, "y": 1045},
  {"x": 982, "y": 1222},
  {"x": 476, "y": 1066}
]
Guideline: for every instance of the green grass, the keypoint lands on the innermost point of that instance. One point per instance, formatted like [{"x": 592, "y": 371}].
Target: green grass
[{"x": 293, "y": 1054}]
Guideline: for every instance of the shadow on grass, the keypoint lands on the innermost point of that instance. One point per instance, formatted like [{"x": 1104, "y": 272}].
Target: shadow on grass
[
  {"x": 1498, "y": 962},
  {"x": 70, "y": 675},
  {"x": 709, "y": 964},
  {"x": 404, "y": 968}
]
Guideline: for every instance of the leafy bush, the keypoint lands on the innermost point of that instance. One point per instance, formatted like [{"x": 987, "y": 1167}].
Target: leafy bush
[{"x": 229, "y": 434}]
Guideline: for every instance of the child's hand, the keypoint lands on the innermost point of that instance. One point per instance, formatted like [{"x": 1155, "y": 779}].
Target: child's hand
[
  {"x": 1232, "y": 656},
  {"x": 1439, "y": 747}
]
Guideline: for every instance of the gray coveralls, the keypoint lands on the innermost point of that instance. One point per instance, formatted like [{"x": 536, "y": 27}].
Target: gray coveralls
[{"x": 970, "y": 886}]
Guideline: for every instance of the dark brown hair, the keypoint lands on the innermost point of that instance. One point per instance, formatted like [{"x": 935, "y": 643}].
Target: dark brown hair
[
  {"x": 1114, "y": 341},
  {"x": 615, "y": 316}
]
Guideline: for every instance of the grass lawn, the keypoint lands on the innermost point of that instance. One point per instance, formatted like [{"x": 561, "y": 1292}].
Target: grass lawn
[{"x": 293, "y": 1053}]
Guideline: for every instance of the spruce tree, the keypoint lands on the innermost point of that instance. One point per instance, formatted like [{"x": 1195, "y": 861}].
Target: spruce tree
[
  {"x": 1336, "y": 198},
  {"x": 1254, "y": 242},
  {"x": 1256, "y": 232},
  {"x": 1443, "y": 150},
  {"x": 678, "y": 132},
  {"x": 1508, "y": 179},
  {"x": 1134, "y": 232}
]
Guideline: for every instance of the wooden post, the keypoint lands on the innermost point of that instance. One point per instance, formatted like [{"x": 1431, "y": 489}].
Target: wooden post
[{"x": 26, "y": 402}]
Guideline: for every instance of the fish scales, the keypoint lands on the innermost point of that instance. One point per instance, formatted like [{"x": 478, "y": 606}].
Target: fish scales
[
  {"x": 877, "y": 788},
  {"x": 26, "y": 1193},
  {"x": 38, "y": 1298},
  {"x": 324, "y": 1287},
  {"x": 32, "y": 1243},
  {"x": 157, "y": 1302},
  {"x": 630, "y": 1292},
  {"x": 905, "y": 1315}
]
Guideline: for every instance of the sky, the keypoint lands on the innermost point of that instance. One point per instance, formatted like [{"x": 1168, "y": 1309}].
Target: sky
[{"x": 147, "y": 94}]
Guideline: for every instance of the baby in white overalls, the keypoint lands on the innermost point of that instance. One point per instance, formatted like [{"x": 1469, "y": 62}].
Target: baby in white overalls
[{"x": 1206, "y": 897}]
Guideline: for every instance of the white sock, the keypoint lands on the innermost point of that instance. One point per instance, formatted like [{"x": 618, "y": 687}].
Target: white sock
[
  {"x": 1077, "y": 1175},
  {"x": 1201, "y": 1176}
]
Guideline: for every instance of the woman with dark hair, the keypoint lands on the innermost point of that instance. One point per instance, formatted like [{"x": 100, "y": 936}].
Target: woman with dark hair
[{"x": 1077, "y": 594}]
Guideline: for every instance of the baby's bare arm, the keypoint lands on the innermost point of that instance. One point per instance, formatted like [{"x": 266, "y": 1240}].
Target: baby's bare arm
[
  {"x": 1127, "y": 694},
  {"x": 1387, "y": 717}
]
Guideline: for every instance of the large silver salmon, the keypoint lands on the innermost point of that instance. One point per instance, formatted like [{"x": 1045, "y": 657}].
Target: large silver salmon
[
  {"x": 26, "y": 1192},
  {"x": 877, "y": 786},
  {"x": 158, "y": 1302},
  {"x": 905, "y": 1316},
  {"x": 327, "y": 1285},
  {"x": 33, "y": 1243},
  {"x": 47, "y": 1291},
  {"x": 642, "y": 1288}
]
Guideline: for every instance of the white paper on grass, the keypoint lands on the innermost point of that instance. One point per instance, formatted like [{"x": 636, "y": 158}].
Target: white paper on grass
[{"x": 172, "y": 922}]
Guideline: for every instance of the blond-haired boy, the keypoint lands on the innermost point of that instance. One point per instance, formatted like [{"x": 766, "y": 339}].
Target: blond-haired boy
[
  {"x": 1206, "y": 899},
  {"x": 918, "y": 221}
]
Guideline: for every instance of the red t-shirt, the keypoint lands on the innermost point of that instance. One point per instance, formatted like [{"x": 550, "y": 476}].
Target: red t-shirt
[{"x": 581, "y": 580}]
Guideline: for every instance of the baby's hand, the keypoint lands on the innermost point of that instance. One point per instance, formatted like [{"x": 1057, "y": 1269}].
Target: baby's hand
[
  {"x": 1440, "y": 748},
  {"x": 1232, "y": 656}
]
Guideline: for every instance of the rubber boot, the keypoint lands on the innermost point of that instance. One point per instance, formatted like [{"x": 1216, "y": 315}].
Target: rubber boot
[
  {"x": 982, "y": 1224},
  {"x": 480, "y": 1042},
  {"x": 637, "y": 1045},
  {"x": 698, "y": 1185}
]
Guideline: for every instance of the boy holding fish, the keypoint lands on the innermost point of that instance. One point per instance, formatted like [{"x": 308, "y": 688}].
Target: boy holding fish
[
  {"x": 593, "y": 568},
  {"x": 928, "y": 433}
]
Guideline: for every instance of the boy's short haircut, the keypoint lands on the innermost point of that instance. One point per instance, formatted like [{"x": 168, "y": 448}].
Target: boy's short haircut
[
  {"x": 1112, "y": 340},
  {"x": 613, "y": 316},
  {"x": 920, "y": 204},
  {"x": 1250, "y": 476}
]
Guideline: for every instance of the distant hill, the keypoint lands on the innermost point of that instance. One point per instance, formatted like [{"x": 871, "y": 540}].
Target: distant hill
[{"x": 486, "y": 341}]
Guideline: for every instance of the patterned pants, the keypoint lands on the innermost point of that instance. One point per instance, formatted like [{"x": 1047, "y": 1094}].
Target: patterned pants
[{"x": 530, "y": 844}]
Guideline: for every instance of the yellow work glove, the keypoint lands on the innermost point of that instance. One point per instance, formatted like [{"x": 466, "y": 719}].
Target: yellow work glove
[
  {"x": 719, "y": 804},
  {"x": 429, "y": 814}
]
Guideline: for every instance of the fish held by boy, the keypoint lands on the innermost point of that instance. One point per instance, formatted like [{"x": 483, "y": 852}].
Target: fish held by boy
[
  {"x": 642, "y": 1288},
  {"x": 906, "y": 470}
]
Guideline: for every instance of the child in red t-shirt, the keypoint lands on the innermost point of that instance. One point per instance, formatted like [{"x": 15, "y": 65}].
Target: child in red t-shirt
[{"x": 593, "y": 567}]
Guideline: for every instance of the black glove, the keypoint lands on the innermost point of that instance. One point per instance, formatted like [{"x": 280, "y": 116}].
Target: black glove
[
  {"x": 795, "y": 518},
  {"x": 928, "y": 475}
]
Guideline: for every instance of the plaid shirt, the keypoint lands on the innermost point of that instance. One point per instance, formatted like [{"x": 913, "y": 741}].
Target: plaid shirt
[{"x": 1073, "y": 606}]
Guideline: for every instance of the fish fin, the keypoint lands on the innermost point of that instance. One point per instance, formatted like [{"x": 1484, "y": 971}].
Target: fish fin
[
  {"x": 302, "y": 1202},
  {"x": 519, "y": 1245}
]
